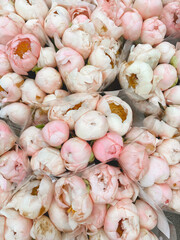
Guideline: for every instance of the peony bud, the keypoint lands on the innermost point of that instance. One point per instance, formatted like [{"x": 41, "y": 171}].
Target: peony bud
[
  {"x": 167, "y": 50},
  {"x": 47, "y": 58}
]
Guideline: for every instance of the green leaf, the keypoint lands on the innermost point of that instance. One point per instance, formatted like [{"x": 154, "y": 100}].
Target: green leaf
[{"x": 40, "y": 126}]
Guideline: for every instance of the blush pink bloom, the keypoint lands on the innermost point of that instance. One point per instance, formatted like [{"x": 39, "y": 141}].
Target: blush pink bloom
[
  {"x": 147, "y": 216},
  {"x": 97, "y": 217},
  {"x": 134, "y": 161},
  {"x": 107, "y": 147},
  {"x": 55, "y": 133},
  {"x": 57, "y": 21},
  {"x": 10, "y": 26},
  {"x": 167, "y": 75},
  {"x": 17, "y": 112},
  {"x": 48, "y": 79},
  {"x": 76, "y": 154},
  {"x": 34, "y": 199},
  {"x": 23, "y": 52},
  {"x": 55, "y": 213},
  {"x": 47, "y": 58},
  {"x": 174, "y": 177},
  {"x": 143, "y": 137},
  {"x": 14, "y": 226},
  {"x": 132, "y": 24},
  {"x": 75, "y": 11},
  {"x": 31, "y": 140},
  {"x": 158, "y": 171},
  {"x": 79, "y": 19},
  {"x": 5, "y": 66},
  {"x": 122, "y": 221},
  {"x": 103, "y": 183},
  {"x": 48, "y": 160},
  {"x": 7, "y": 138},
  {"x": 10, "y": 85},
  {"x": 169, "y": 149},
  {"x": 5, "y": 191},
  {"x": 126, "y": 188},
  {"x": 167, "y": 50},
  {"x": 148, "y": 8},
  {"x": 153, "y": 31},
  {"x": 50, "y": 232},
  {"x": 171, "y": 17},
  {"x": 161, "y": 194},
  {"x": 14, "y": 165},
  {"x": 175, "y": 201},
  {"x": 172, "y": 95},
  {"x": 67, "y": 60},
  {"x": 72, "y": 194},
  {"x": 91, "y": 126}
]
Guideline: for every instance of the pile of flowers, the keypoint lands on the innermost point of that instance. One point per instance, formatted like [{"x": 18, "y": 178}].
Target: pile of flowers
[{"x": 74, "y": 160}]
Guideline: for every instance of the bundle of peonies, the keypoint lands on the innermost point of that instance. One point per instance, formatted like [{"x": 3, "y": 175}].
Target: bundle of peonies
[{"x": 56, "y": 123}]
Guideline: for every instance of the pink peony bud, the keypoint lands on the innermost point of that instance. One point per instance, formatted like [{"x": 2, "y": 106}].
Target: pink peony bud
[
  {"x": 7, "y": 138},
  {"x": 96, "y": 219},
  {"x": 17, "y": 112},
  {"x": 47, "y": 58},
  {"x": 34, "y": 26},
  {"x": 171, "y": 16},
  {"x": 75, "y": 11},
  {"x": 10, "y": 85},
  {"x": 34, "y": 199},
  {"x": 31, "y": 140},
  {"x": 55, "y": 133},
  {"x": 132, "y": 24},
  {"x": 76, "y": 154},
  {"x": 39, "y": 232},
  {"x": 57, "y": 21},
  {"x": 158, "y": 172},
  {"x": 72, "y": 194},
  {"x": 31, "y": 93},
  {"x": 153, "y": 31},
  {"x": 161, "y": 194},
  {"x": 67, "y": 60},
  {"x": 172, "y": 116},
  {"x": 174, "y": 203},
  {"x": 147, "y": 8},
  {"x": 78, "y": 39},
  {"x": 172, "y": 95},
  {"x": 174, "y": 178},
  {"x": 48, "y": 79},
  {"x": 14, "y": 226},
  {"x": 167, "y": 75},
  {"x": 103, "y": 183},
  {"x": 167, "y": 50},
  {"x": 10, "y": 26},
  {"x": 14, "y": 166},
  {"x": 169, "y": 149},
  {"x": 134, "y": 161},
  {"x": 107, "y": 147},
  {"x": 91, "y": 126},
  {"x": 80, "y": 19},
  {"x": 23, "y": 53},
  {"x": 147, "y": 216},
  {"x": 118, "y": 112},
  {"x": 143, "y": 137},
  {"x": 122, "y": 221},
  {"x": 5, "y": 192},
  {"x": 31, "y": 9},
  {"x": 48, "y": 160}
]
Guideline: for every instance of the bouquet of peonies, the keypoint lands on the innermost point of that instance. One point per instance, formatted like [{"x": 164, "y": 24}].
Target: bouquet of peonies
[{"x": 89, "y": 119}]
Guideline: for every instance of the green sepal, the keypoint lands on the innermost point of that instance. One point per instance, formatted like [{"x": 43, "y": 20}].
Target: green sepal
[
  {"x": 173, "y": 61},
  {"x": 40, "y": 126},
  {"x": 36, "y": 69},
  {"x": 92, "y": 158},
  {"x": 88, "y": 186}
]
